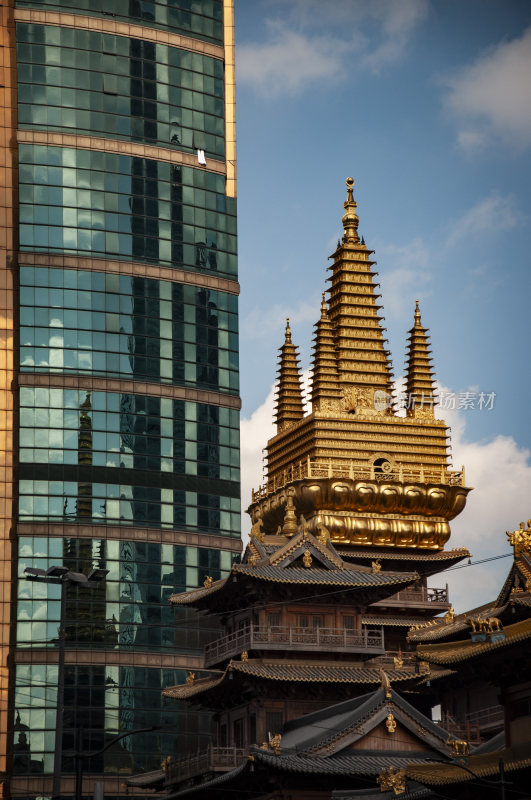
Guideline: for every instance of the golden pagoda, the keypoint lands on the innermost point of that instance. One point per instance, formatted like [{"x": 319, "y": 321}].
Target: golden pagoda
[{"x": 353, "y": 465}]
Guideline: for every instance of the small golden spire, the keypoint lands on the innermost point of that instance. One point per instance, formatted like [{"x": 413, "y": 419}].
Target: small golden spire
[
  {"x": 290, "y": 526},
  {"x": 420, "y": 381},
  {"x": 288, "y": 331},
  {"x": 326, "y": 392},
  {"x": 288, "y": 405},
  {"x": 350, "y": 218}
]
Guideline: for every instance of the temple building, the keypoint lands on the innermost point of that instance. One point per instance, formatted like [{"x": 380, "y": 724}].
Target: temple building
[{"x": 313, "y": 684}]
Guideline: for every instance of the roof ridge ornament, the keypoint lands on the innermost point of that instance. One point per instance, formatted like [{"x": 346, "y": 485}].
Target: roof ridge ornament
[
  {"x": 385, "y": 683},
  {"x": 350, "y": 218}
]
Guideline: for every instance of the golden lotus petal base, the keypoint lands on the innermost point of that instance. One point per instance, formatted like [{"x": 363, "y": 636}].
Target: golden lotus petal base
[{"x": 368, "y": 512}]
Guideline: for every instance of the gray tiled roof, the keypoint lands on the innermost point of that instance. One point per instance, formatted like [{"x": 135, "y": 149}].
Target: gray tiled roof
[
  {"x": 293, "y": 672},
  {"x": 351, "y": 763},
  {"x": 313, "y": 576},
  {"x": 414, "y": 791},
  {"x": 335, "y": 577},
  {"x": 224, "y": 778},
  {"x": 392, "y": 555}
]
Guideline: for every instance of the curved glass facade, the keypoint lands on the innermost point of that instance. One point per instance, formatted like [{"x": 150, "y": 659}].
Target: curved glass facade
[
  {"x": 83, "y": 201},
  {"x": 128, "y": 433},
  {"x": 201, "y": 19},
  {"x": 120, "y": 326},
  {"x": 78, "y": 81},
  {"x": 130, "y": 609},
  {"x": 102, "y": 700}
]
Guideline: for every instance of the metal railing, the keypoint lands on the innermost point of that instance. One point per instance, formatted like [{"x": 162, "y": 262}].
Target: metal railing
[
  {"x": 409, "y": 661},
  {"x": 486, "y": 717},
  {"x": 213, "y": 759},
  {"x": 329, "y": 469},
  {"x": 423, "y": 594},
  {"x": 293, "y": 638}
]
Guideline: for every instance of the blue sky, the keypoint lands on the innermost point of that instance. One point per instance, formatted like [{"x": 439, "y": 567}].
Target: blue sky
[{"x": 428, "y": 106}]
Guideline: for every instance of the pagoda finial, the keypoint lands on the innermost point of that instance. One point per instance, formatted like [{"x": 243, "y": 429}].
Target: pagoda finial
[
  {"x": 288, "y": 330},
  {"x": 323, "y": 307},
  {"x": 417, "y": 314},
  {"x": 350, "y": 218}
]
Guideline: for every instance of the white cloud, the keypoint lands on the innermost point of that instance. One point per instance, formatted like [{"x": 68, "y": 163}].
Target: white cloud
[
  {"x": 254, "y": 433},
  {"x": 495, "y": 93},
  {"x": 264, "y": 322},
  {"x": 498, "y": 469},
  {"x": 494, "y": 213},
  {"x": 291, "y": 61},
  {"x": 297, "y": 55},
  {"x": 399, "y": 20}
]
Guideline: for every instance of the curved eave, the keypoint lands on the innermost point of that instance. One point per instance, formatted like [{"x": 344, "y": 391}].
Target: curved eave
[
  {"x": 291, "y": 672},
  {"x": 295, "y": 576},
  {"x": 455, "y": 652},
  {"x": 480, "y": 766}
]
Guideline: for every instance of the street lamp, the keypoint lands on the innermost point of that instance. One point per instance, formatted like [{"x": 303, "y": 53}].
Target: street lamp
[{"x": 62, "y": 576}]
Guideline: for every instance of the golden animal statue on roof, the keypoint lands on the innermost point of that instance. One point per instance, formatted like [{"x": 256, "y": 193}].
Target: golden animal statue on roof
[
  {"x": 392, "y": 780},
  {"x": 520, "y": 539}
]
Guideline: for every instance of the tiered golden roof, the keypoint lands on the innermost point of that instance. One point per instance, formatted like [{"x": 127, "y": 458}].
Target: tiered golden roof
[
  {"x": 420, "y": 382},
  {"x": 288, "y": 407},
  {"x": 353, "y": 464},
  {"x": 326, "y": 391},
  {"x": 363, "y": 362}
]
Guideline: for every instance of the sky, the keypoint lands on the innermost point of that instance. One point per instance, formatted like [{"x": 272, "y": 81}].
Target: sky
[{"x": 427, "y": 104}]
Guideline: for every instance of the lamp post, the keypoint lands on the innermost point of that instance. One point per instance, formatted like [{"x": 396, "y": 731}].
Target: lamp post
[
  {"x": 63, "y": 577},
  {"x": 80, "y": 756}
]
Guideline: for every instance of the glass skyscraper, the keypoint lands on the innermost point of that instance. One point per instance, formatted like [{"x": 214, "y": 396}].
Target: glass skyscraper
[{"x": 119, "y": 368}]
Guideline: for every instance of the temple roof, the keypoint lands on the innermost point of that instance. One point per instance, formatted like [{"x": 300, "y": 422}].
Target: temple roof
[
  {"x": 294, "y": 671},
  {"x": 425, "y": 563},
  {"x": 330, "y": 742},
  {"x": 302, "y": 560},
  {"x": 480, "y": 766},
  {"x": 342, "y": 724},
  {"x": 447, "y": 653},
  {"x": 397, "y": 622},
  {"x": 414, "y": 791}
]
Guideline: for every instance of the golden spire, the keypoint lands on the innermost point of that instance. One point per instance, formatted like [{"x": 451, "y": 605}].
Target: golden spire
[
  {"x": 420, "y": 382},
  {"x": 288, "y": 405},
  {"x": 326, "y": 392},
  {"x": 363, "y": 361},
  {"x": 350, "y": 218}
]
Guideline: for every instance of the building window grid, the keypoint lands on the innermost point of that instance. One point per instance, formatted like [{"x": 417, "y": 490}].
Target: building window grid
[
  {"x": 202, "y": 22},
  {"x": 141, "y": 210},
  {"x": 93, "y": 696},
  {"x": 131, "y": 610},
  {"x": 138, "y": 333},
  {"x": 175, "y": 98}
]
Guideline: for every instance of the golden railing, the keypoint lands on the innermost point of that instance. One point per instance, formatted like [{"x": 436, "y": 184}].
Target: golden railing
[{"x": 329, "y": 469}]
